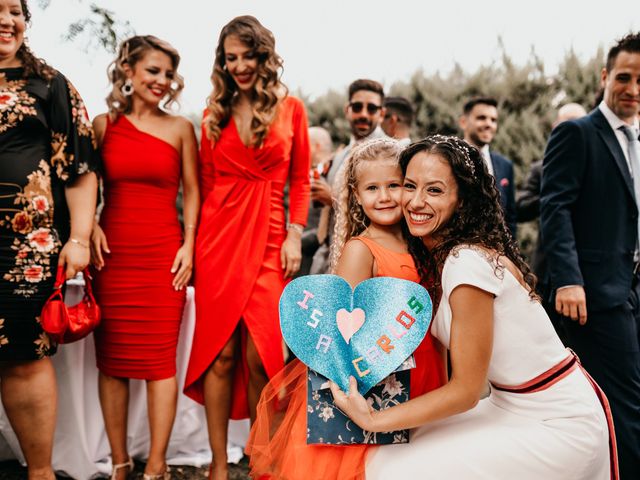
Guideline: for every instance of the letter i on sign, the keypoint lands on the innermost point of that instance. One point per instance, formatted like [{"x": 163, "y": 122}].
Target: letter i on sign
[{"x": 307, "y": 296}]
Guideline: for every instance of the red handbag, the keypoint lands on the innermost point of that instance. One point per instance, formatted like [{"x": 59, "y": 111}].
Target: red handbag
[{"x": 67, "y": 324}]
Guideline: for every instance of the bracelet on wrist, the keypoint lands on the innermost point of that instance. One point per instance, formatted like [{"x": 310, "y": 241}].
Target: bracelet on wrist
[
  {"x": 78, "y": 242},
  {"x": 296, "y": 228}
]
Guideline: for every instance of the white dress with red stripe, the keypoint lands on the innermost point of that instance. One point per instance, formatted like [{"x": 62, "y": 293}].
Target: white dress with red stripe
[{"x": 555, "y": 431}]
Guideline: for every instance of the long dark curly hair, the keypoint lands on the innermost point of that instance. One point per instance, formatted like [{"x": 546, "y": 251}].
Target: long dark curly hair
[
  {"x": 32, "y": 65},
  {"x": 265, "y": 92},
  {"x": 478, "y": 219}
]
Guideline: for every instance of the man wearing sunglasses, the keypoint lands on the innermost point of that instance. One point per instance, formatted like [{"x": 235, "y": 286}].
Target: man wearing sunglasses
[{"x": 364, "y": 111}]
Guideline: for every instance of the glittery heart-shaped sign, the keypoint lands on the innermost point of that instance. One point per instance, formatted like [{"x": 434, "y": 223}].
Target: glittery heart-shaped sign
[{"x": 321, "y": 323}]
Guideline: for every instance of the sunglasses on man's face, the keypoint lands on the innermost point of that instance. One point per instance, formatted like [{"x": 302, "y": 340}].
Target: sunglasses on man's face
[{"x": 372, "y": 108}]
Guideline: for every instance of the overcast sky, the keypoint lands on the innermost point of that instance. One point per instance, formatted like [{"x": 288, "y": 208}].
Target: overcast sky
[{"x": 328, "y": 43}]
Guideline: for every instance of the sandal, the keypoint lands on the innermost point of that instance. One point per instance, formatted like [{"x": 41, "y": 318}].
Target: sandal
[
  {"x": 166, "y": 475},
  {"x": 114, "y": 469}
]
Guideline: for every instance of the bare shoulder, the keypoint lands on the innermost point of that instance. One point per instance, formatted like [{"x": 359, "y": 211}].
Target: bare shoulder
[
  {"x": 100, "y": 121},
  {"x": 99, "y": 126},
  {"x": 356, "y": 253},
  {"x": 186, "y": 127},
  {"x": 356, "y": 262}
]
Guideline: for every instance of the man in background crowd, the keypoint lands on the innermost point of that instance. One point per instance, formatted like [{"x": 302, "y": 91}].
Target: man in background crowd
[
  {"x": 479, "y": 123},
  {"x": 398, "y": 119},
  {"x": 528, "y": 209},
  {"x": 321, "y": 148},
  {"x": 364, "y": 111},
  {"x": 528, "y": 200},
  {"x": 590, "y": 224}
]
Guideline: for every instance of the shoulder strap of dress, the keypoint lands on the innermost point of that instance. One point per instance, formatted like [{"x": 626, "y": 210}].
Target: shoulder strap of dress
[
  {"x": 375, "y": 249},
  {"x": 385, "y": 258}
]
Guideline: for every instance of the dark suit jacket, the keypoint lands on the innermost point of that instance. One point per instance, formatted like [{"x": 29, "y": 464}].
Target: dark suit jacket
[
  {"x": 503, "y": 172},
  {"x": 528, "y": 209},
  {"x": 588, "y": 211}
]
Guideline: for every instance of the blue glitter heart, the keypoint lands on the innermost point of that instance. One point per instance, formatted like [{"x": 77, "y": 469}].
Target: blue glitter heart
[{"x": 397, "y": 317}]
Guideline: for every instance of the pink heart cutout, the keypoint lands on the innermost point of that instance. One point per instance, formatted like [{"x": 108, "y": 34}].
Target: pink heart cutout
[{"x": 349, "y": 322}]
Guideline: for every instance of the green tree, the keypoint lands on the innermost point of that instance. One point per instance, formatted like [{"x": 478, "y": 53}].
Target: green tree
[
  {"x": 528, "y": 99},
  {"x": 96, "y": 27}
]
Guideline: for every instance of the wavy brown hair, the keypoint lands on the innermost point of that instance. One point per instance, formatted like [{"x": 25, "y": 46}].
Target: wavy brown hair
[
  {"x": 32, "y": 65},
  {"x": 478, "y": 221},
  {"x": 350, "y": 217},
  {"x": 265, "y": 99},
  {"x": 131, "y": 51}
]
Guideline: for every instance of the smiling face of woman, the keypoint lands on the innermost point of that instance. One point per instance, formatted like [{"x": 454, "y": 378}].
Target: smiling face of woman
[
  {"x": 12, "y": 27},
  {"x": 241, "y": 63},
  {"x": 151, "y": 76},
  {"x": 429, "y": 196}
]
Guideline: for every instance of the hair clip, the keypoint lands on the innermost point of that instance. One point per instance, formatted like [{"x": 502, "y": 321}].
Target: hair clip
[{"x": 458, "y": 145}]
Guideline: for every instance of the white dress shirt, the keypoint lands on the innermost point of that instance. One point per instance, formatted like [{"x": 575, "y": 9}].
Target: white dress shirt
[{"x": 487, "y": 159}]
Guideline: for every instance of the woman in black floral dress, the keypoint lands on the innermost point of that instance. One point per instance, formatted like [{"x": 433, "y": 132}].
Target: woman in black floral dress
[{"x": 47, "y": 203}]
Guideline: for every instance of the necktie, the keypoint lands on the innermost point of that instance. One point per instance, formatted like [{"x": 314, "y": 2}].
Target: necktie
[{"x": 634, "y": 160}]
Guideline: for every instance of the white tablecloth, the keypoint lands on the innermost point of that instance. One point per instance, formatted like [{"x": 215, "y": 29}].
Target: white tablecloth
[{"x": 81, "y": 450}]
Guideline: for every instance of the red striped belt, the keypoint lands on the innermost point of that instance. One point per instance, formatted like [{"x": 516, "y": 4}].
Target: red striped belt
[{"x": 554, "y": 375}]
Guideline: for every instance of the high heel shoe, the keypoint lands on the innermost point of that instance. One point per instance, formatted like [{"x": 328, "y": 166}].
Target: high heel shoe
[
  {"x": 114, "y": 469},
  {"x": 166, "y": 475}
]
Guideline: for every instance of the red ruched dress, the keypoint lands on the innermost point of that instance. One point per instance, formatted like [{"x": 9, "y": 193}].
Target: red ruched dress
[
  {"x": 141, "y": 311},
  {"x": 238, "y": 271},
  {"x": 278, "y": 442}
]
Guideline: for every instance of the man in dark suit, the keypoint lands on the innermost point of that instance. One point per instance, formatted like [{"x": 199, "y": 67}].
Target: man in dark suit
[
  {"x": 479, "y": 123},
  {"x": 589, "y": 220},
  {"x": 528, "y": 198}
]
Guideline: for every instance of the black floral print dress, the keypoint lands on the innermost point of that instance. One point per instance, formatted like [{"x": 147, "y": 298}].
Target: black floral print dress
[{"x": 46, "y": 142}]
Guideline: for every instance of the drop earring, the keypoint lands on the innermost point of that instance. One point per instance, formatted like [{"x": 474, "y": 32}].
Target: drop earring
[{"x": 127, "y": 88}]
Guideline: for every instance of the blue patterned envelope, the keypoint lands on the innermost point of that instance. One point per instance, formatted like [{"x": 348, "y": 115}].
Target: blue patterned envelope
[{"x": 328, "y": 425}]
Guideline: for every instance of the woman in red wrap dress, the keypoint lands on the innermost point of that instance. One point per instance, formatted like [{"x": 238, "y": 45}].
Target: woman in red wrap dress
[{"x": 254, "y": 141}]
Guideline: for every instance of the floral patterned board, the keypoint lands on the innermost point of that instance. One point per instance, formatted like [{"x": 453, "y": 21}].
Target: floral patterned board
[{"x": 328, "y": 425}]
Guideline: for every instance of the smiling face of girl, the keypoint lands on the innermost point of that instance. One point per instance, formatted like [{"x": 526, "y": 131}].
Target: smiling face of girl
[{"x": 379, "y": 190}]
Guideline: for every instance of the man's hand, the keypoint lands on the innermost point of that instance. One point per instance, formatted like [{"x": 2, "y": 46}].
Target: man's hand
[
  {"x": 321, "y": 191},
  {"x": 572, "y": 302}
]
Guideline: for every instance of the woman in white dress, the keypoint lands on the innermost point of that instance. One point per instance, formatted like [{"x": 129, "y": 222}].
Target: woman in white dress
[{"x": 544, "y": 418}]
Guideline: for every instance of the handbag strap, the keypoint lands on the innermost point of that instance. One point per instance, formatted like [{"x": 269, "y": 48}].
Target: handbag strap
[
  {"x": 87, "y": 282},
  {"x": 61, "y": 279}
]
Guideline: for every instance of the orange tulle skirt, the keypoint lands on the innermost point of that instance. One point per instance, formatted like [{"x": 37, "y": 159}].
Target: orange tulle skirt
[{"x": 278, "y": 446}]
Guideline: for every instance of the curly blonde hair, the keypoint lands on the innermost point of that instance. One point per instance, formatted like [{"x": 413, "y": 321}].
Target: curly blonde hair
[
  {"x": 265, "y": 91},
  {"x": 350, "y": 217},
  {"x": 131, "y": 51}
]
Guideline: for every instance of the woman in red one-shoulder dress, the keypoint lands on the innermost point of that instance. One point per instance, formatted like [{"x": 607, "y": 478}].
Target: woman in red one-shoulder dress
[
  {"x": 254, "y": 141},
  {"x": 143, "y": 257}
]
